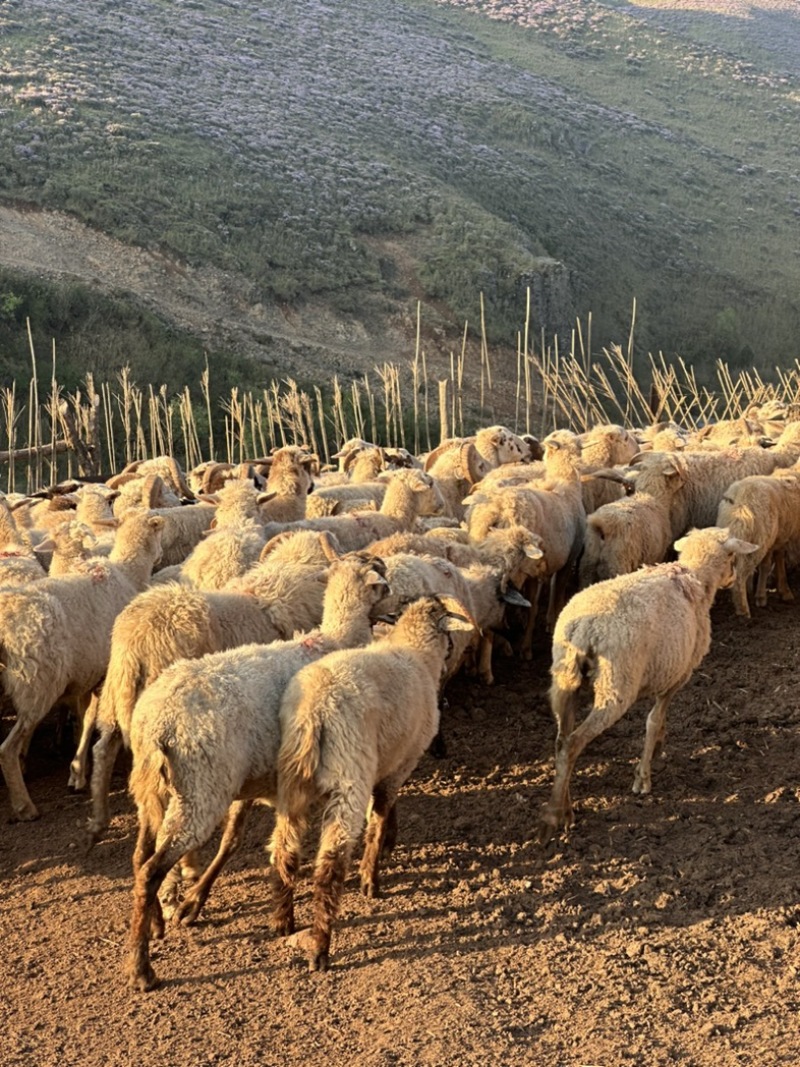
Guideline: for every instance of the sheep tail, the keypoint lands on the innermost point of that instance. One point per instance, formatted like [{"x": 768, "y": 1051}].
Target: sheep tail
[
  {"x": 149, "y": 786},
  {"x": 124, "y": 684},
  {"x": 572, "y": 666}
]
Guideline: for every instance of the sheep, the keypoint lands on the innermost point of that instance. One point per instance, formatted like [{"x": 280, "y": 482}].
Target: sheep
[
  {"x": 485, "y": 587},
  {"x": 55, "y": 638},
  {"x": 764, "y": 510},
  {"x": 206, "y": 732},
  {"x": 453, "y": 545},
  {"x": 708, "y": 475},
  {"x": 410, "y": 493},
  {"x": 354, "y": 727},
  {"x": 456, "y": 471},
  {"x": 627, "y": 533},
  {"x": 634, "y": 636},
  {"x": 168, "y": 623},
  {"x": 237, "y": 529},
  {"x": 167, "y": 468},
  {"x": 601, "y": 447},
  {"x": 553, "y": 509}
]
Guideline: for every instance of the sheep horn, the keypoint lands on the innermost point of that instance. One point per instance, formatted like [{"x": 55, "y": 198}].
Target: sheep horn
[
  {"x": 328, "y": 547},
  {"x": 471, "y": 463},
  {"x": 211, "y": 472},
  {"x": 440, "y": 450},
  {"x": 180, "y": 481},
  {"x": 116, "y": 481},
  {"x": 153, "y": 491}
]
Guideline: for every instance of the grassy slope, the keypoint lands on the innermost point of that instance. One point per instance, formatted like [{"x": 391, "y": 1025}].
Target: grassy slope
[{"x": 295, "y": 143}]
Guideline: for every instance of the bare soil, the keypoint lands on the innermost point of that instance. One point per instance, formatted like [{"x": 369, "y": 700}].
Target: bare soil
[{"x": 663, "y": 931}]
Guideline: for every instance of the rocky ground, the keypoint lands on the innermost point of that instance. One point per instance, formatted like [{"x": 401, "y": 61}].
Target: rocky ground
[{"x": 664, "y": 931}]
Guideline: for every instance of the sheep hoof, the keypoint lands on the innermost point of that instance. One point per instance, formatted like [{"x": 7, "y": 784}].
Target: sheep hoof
[
  {"x": 320, "y": 961},
  {"x": 28, "y": 813},
  {"x": 552, "y": 821},
  {"x": 145, "y": 981},
  {"x": 77, "y": 781},
  {"x": 370, "y": 889},
  {"x": 641, "y": 786},
  {"x": 787, "y": 597},
  {"x": 188, "y": 912}
]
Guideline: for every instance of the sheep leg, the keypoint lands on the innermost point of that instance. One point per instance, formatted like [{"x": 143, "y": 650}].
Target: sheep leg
[
  {"x": 104, "y": 755},
  {"x": 485, "y": 659},
  {"x": 739, "y": 591},
  {"x": 557, "y": 812},
  {"x": 558, "y": 596},
  {"x": 341, "y": 827},
  {"x": 11, "y": 751},
  {"x": 763, "y": 573},
  {"x": 189, "y": 909},
  {"x": 329, "y": 874},
  {"x": 383, "y": 808},
  {"x": 151, "y": 867},
  {"x": 287, "y": 840},
  {"x": 87, "y": 712},
  {"x": 784, "y": 591},
  {"x": 655, "y": 733},
  {"x": 531, "y": 591}
]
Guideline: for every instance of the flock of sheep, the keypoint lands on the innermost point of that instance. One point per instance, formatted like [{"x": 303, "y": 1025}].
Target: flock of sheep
[{"x": 271, "y": 633}]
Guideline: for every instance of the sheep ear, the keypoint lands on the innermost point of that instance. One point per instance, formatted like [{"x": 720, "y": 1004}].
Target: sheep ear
[
  {"x": 532, "y": 552},
  {"x": 264, "y": 498},
  {"x": 110, "y": 524},
  {"x": 741, "y": 548},
  {"x": 373, "y": 578},
  {"x": 155, "y": 522},
  {"x": 513, "y": 596},
  {"x": 48, "y": 545},
  {"x": 680, "y": 544}
]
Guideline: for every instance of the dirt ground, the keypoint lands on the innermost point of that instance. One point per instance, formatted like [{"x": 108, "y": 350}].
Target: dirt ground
[{"x": 664, "y": 931}]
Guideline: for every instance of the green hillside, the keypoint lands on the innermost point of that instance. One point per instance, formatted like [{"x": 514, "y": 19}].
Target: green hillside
[{"x": 360, "y": 156}]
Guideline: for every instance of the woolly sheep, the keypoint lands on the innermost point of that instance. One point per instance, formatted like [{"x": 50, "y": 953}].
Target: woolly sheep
[
  {"x": 553, "y": 509},
  {"x": 410, "y": 493},
  {"x": 354, "y": 727},
  {"x": 56, "y": 636},
  {"x": 636, "y": 530},
  {"x": 206, "y": 733},
  {"x": 635, "y": 636},
  {"x": 168, "y": 623},
  {"x": 766, "y": 511}
]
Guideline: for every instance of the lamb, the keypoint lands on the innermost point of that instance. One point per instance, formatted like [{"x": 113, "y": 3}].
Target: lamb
[
  {"x": 636, "y": 530},
  {"x": 354, "y": 727},
  {"x": 411, "y": 493},
  {"x": 634, "y": 636},
  {"x": 56, "y": 636},
  {"x": 206, "y": 732},
  {"x": 171, "y": 622},
  {"x": 765, "y": 510}
]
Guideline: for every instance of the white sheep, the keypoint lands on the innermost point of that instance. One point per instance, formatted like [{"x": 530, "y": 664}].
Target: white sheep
[
  {"x": 410, "y": 493},
  {"x": 638, "y": 635},
  {"x": 354, "y": 727},
  {"x": 55, "y": 637},
  {"x": 766, "y": 511},
  {"x": 171, "y": 622},
  {"x": 206, "y": 732},
  {"x": 552, "y": 508},
  {"x": 456, "y": 471},
  {"x": 636, "y": 530}
]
